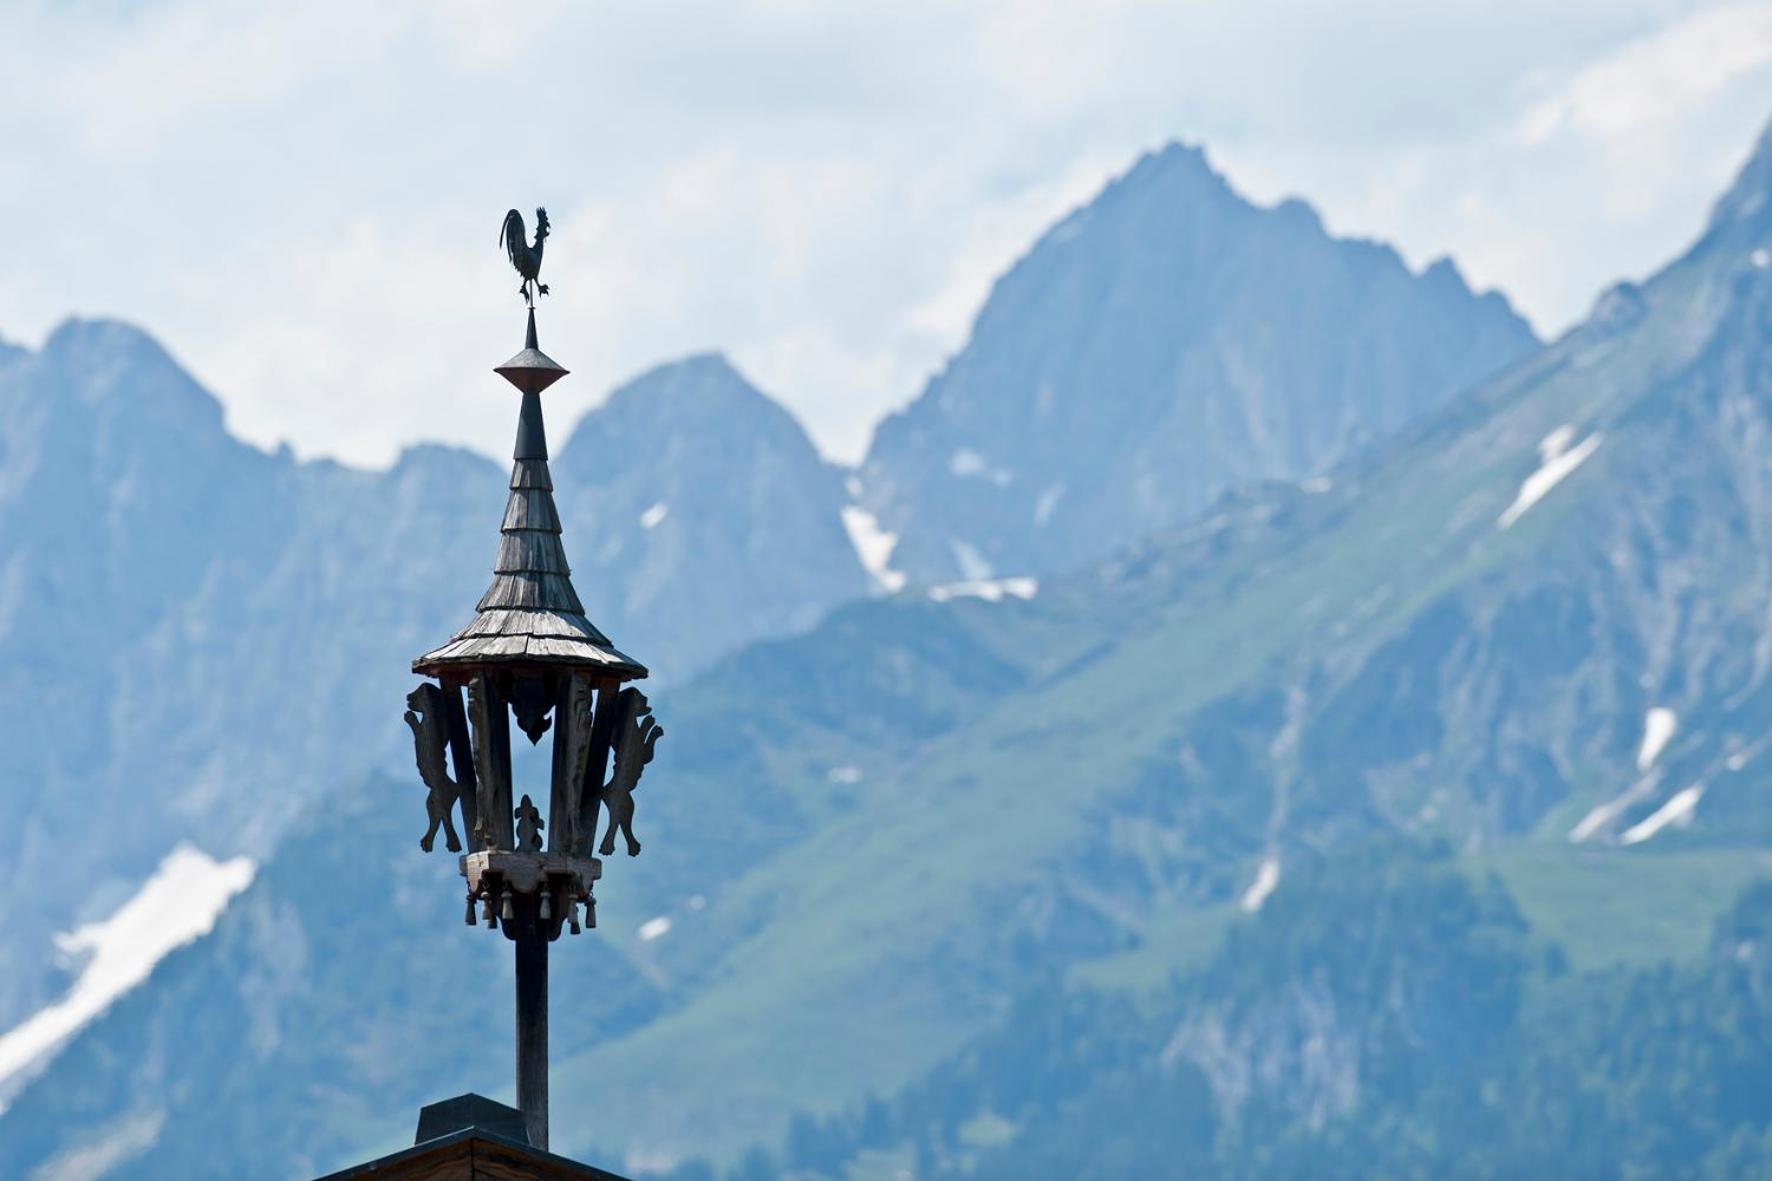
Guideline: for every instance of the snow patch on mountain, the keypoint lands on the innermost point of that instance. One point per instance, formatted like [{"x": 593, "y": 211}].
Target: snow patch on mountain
[
  {"x": 1678, "y": 810},
  {"x": 1556, "y": 460},
  {"x": 1659, "y": 725},
  {"x": 179, "y": 902},
  {"x": 1604, "y": 814},
  {"x": 1601, "y": 815},
  {"x": 991, "y": 590},
  {"x": 1267, "y": 877},
  {"x": 873, "y": 546}
]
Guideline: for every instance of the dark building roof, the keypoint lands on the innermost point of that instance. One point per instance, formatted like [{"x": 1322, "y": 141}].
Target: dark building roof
[
  {"x": 471, "y": 1138},
  {"x": 530, "y": 615}
]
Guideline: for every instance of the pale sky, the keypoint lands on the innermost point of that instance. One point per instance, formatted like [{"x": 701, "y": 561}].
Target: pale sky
[{"x": 302, "y": 200}]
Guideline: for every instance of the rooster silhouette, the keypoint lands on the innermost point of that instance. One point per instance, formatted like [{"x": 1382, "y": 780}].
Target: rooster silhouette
[{"x": 527, "y": 259}]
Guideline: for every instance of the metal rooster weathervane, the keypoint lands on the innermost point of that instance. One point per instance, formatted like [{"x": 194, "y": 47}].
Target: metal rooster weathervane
[{"x": 526, "y": 258}]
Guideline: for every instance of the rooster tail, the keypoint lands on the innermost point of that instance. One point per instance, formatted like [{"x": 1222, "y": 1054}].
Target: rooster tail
[{"x": 510, "y": 236}]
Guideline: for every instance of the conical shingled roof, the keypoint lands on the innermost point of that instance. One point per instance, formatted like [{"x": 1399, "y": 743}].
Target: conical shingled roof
[{"x": 530, "y": 615}]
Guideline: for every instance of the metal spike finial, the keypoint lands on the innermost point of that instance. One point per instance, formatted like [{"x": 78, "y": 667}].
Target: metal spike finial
[{"x": 531, "y": 370}]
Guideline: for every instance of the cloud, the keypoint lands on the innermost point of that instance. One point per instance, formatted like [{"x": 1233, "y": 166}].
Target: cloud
[
  {"x": 304, "y": 199},
  {"x": 1651, "y": 85}
]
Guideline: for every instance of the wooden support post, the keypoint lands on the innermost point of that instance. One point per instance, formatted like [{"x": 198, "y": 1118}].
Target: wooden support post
[
  {"x": 572, "y": 742},
  {"x": 501, "y": 769},
  {"x": 532, "y": 1027},
  {"x": 490, "y": 716}
]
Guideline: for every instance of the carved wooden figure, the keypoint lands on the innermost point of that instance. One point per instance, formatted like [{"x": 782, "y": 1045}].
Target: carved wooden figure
[
  {"x": 529, "y": 826},
  {"x": 461, "y": 756},
  {"x": 637, "y": 733},
  {"x": 430, "y": 738},
  {"x": 529, "y": 701}
]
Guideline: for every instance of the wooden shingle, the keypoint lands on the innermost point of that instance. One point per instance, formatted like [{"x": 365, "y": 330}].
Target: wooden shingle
[{"x": 530, "y": 614}]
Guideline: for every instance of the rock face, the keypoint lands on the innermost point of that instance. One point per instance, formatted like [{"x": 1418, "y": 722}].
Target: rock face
[
  {"x": 685, "y": 480},
  {"x": 198, "y": 638},
  {"x": 1156, "y": 347}
]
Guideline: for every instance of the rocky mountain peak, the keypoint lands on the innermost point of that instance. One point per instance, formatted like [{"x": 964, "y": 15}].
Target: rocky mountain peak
[
  {"x": 1165, "y": 342},
  {"x": 674, "y": 401},
  {"x": 116, "y": 368},
  {"x": 1747, "y": 205}
]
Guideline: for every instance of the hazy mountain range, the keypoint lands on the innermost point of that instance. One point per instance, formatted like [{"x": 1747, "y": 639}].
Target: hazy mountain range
[
  {"x": 1164, "y": 343},
  {"x": 1002, "y": 857}
]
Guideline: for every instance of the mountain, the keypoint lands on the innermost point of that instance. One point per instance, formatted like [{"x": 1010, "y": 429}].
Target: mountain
[
  {"x": 200, "y": 638},
  {"x": 282, "y": 981},
  {"x": 688, "y": 475},
  {"x": 1162, "y": 344},
  {"x": 1446, "y": 1039},
  {"x": 1533, "y": 626},
  {"x": 1527, "y": 634}
]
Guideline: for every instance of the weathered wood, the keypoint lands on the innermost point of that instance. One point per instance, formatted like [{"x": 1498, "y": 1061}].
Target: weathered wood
[
  {"x": 531, "y": 702},
  {"x": 531, "y": 473},
  {"x": 549, "y": 592},
  {"x": 492, "y": 761},
  {"x": 525, "y": 652},
  {"x": 518, "y": 621},
  {"x": 597, "y": 764},
  {"x": 483, "y": 648},
  {"x": 530, "y": 508},
  {"x": 501, "y": 761},
  {"x": 531, "y": 550},
  {"x": 525, "y": 872},
  {"x": 532, "y": 1034},
  {"x": 425, "y": 710},
  {"x": 637, "y": 734},
  {"x": 461, "y": 754},
  {"x": 572, "y": 748}
]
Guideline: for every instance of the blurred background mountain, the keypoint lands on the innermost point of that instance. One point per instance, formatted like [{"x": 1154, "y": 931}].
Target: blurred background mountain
[{"x": 1257, "y": 712}]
